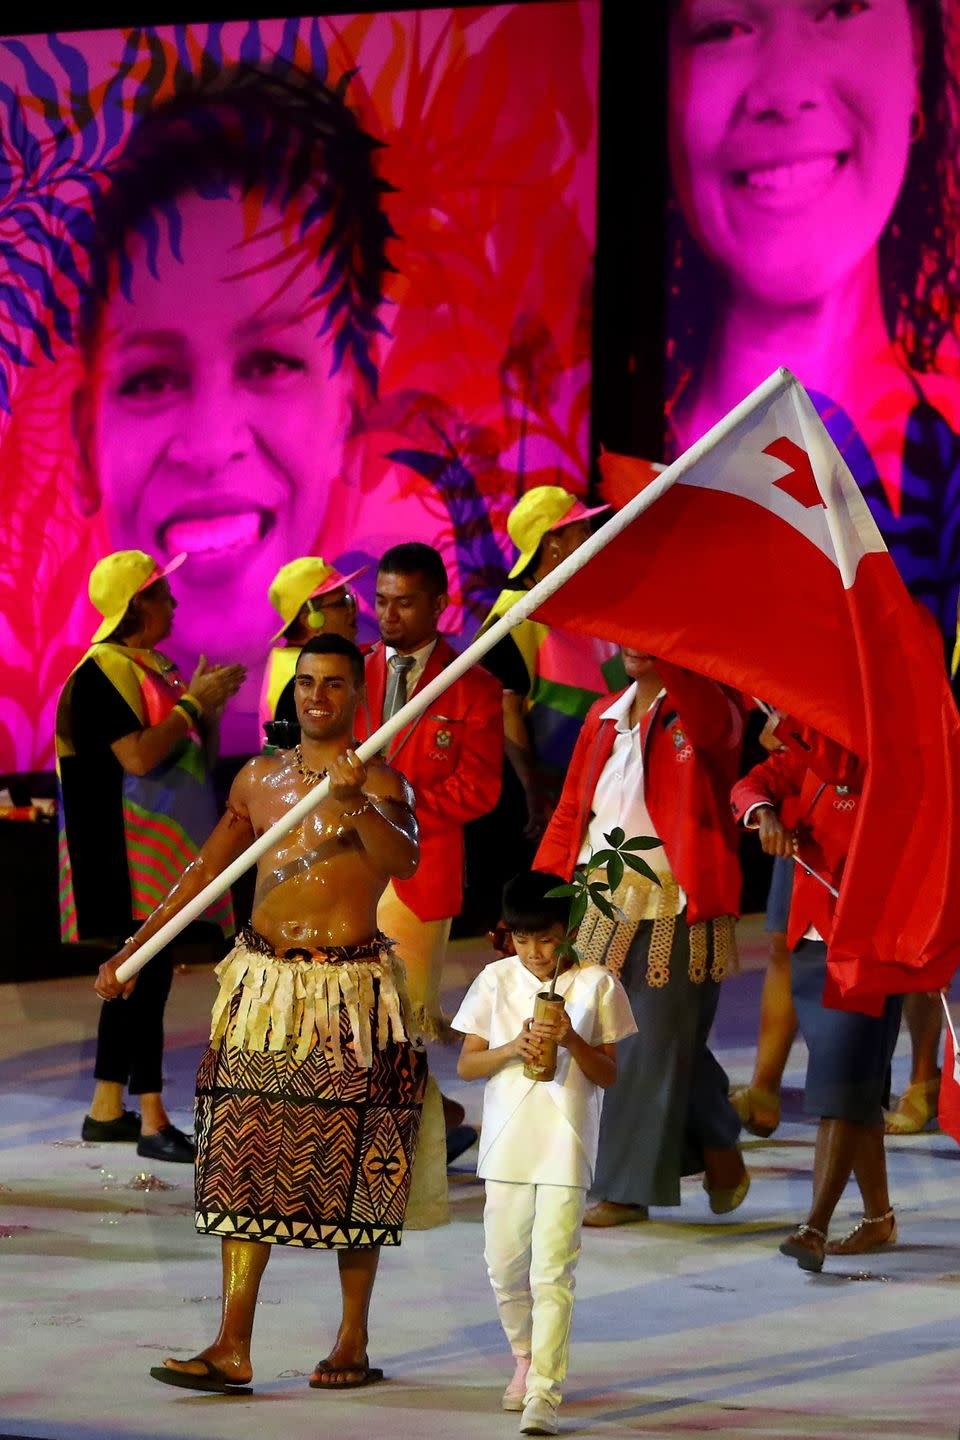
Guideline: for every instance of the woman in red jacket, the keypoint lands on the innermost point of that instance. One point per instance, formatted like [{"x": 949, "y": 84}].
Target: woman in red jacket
[{"x": 659, "y": 761}]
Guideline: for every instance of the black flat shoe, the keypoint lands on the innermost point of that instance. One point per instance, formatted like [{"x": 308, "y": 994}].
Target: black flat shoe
[
  {"x": 459, "y": 1140},
  {"x": 126, "y": 1127},
  {"x": 168, "y": 1144}
]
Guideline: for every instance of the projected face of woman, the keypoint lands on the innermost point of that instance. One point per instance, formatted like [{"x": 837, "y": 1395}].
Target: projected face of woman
[
  {"x": 215, "y": 427},
  {"x": 789, "y": 135}
]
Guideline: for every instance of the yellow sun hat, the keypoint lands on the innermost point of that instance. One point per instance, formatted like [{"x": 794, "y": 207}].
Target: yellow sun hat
[
  {"x": 301, "y": 580},
  {"x": 542, "y": 509},
  {"x": 115, "y": 580}
]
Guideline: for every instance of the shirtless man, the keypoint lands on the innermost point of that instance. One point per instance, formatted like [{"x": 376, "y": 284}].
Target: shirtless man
[{"x": 312, "y": 1007}]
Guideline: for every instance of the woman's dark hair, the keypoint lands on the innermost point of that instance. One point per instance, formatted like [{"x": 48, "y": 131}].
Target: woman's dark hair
[
  {"x": 526, "y": 906},
  {"x": 279, "y": 130},
  {"x": 335, "y": 645},
  {"x": 919, "y": 248}
]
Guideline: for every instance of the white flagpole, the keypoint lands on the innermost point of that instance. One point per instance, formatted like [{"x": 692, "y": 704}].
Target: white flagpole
[
  {"x": 825, "y": 883},
  {"x": 773, "y": 386}
]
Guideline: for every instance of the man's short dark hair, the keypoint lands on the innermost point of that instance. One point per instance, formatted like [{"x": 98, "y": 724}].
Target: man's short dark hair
[
  {"x": 527, "y": 908},
  {"x": 415, "y": 558},
  {"x": 336, "y": 645}
]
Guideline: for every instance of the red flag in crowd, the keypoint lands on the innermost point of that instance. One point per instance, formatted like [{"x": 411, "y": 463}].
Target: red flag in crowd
[{"x": 761, "y": 566}]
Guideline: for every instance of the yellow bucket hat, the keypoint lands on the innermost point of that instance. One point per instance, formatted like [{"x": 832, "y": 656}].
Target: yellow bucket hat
[
  {"x": 299, "y": 581},
  {"x": 115, "y": 580},
  {"x": 542, "y": 509}
]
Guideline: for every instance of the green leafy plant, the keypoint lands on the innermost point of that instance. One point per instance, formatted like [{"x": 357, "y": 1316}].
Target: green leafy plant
[{"x": 583, "y": 888}]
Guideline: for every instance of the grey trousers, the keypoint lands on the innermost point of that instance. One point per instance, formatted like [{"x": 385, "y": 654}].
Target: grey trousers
[{"x": 671, "y": 1100}]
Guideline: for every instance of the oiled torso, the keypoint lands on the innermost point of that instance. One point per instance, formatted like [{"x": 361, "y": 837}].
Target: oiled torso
[{"x": 316, "y": 886}]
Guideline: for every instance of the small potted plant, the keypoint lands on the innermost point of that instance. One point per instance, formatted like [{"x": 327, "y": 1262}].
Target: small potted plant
[{"x": 585, "y": 891}]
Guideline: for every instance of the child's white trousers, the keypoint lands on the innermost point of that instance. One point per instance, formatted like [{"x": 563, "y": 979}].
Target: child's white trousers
[{"x": 532, "y": 1247}]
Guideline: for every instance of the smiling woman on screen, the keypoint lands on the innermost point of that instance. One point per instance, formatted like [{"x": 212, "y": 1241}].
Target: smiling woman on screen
[{"x": 815, "y": 192}]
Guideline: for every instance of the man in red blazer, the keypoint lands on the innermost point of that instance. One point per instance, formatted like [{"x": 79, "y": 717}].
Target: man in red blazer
[
  {"x": 659, "y": 760},
  {"x": 452, "y": 756},
  {"x": 803, "y": 801}
]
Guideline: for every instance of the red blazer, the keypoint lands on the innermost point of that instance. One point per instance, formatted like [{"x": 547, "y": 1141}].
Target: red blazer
[
  {"x": 815, "y": 786},
  {"x": 691, "y": 743},
  {"x": 453, "y": 758}
]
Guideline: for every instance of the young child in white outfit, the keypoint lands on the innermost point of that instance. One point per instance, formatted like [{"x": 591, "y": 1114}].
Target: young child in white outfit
[{"x": 538, "y": 1142}]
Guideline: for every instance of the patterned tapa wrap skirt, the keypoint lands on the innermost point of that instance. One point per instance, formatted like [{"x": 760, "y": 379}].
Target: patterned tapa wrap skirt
[{"x": 309, "y": 1098}]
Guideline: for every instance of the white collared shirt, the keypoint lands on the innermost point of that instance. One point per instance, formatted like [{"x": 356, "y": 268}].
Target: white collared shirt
[
  {"x": 420, "y": 659},
  {"x": 542, "y": 1132},
  {"x": 619, "y": 799}
]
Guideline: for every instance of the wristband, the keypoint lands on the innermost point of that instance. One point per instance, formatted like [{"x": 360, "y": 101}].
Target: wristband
[{"x": 190, "y": 706}]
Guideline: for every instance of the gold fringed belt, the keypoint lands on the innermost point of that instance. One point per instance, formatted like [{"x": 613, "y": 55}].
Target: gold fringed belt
[
  {"x": 602, "y": 941},
  {"x": 297, "y": 1003}
]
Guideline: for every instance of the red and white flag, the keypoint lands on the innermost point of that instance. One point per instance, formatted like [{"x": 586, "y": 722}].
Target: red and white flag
[{"x": 760, "y": 565}]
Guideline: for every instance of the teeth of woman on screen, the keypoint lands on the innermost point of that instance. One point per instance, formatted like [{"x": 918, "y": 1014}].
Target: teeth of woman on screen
[
  {"x": 789, "y": 177},
  {"x": 214, "y": 533}
]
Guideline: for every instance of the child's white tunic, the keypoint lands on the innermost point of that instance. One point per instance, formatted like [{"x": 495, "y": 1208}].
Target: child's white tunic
[{"x": 542, "y": 1132}]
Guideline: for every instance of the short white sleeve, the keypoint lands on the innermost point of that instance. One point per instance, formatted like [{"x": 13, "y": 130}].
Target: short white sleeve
[
  {"x": 476, "y": 1010},
  {"x": 614, "y": 1018}
]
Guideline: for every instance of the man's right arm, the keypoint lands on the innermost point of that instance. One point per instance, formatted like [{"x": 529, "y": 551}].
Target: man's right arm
[{"x": 230, "y": 838}]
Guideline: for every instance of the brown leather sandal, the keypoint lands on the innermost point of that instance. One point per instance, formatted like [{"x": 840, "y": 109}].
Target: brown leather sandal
[
  {"x": 860, "y": 1240},
  {"x": 798, "y": 1247}
]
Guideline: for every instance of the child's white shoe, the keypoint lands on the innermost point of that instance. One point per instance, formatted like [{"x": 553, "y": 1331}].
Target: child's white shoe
[
  {"x": 539, "y": 1417},
  {"x": 515, "y": 1391}
]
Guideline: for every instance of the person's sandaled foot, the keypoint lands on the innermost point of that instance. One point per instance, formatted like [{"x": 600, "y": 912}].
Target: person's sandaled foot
[
  {"x": 610, "y": 1212},
  {"x": 915, "y": 1109},
  {"x": 726, "y": 1179},
  {"x": 209, "y": 1377},
  {"x": 807, "y": 1246},
  {"x": 870, "y": 1233},
  {"x": 759, "y": 1110},
  {"x": 333, "y": 1374}
]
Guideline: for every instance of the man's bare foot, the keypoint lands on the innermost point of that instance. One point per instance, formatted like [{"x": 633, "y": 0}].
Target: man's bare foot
[
  {"x": 344, "y": 1368},
  {"x": 235, "y": 1369},
  {"x": 202, "y": 1372}
]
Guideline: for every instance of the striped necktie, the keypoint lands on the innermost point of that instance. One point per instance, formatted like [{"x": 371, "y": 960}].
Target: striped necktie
[{"x": 396, "y": 695}]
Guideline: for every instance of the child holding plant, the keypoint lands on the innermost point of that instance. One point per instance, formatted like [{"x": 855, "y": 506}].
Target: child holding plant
[{"x": 538, "y": 1142}]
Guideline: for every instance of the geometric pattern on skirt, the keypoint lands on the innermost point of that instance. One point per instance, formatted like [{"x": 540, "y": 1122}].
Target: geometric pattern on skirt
[{"x": 303, "y": 1153}]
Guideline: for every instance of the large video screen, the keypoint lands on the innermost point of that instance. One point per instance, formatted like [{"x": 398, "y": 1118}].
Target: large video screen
[
  {"x": 304, "y": 286},
  {"x": 815, "y": 224}
]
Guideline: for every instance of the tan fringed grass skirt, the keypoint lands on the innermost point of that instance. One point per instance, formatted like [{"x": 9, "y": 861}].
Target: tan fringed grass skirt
[{"x": 308, "y": 1103}]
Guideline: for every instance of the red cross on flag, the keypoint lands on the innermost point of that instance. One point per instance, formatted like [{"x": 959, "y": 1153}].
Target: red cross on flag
[{"x": 757, "y": 563}]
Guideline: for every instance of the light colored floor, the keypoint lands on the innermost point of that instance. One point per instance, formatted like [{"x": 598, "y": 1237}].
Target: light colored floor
[{"x": 683, "y": 1327}]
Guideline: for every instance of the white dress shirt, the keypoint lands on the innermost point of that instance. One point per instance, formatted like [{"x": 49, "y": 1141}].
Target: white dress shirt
[
  {"x": 619, "y": 795},
  {"x": 542, "y": 1132}
]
